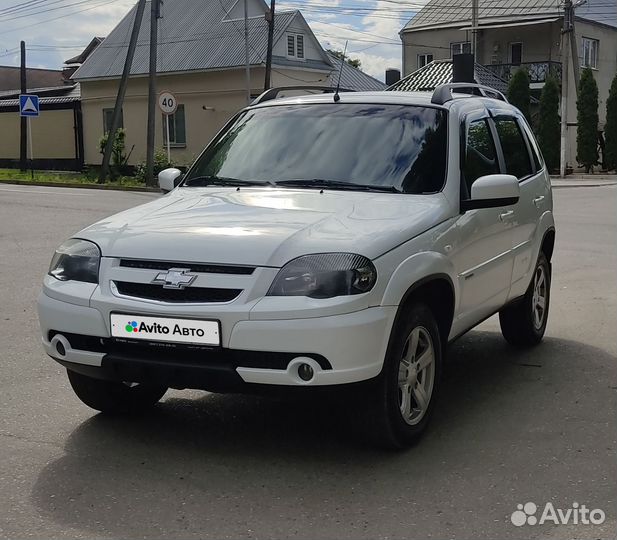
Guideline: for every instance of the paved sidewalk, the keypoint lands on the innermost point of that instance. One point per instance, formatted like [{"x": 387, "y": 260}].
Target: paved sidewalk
[{"x": 584, "y": 180}]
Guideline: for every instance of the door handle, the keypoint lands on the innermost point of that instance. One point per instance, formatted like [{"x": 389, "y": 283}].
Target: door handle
[
  {"x": 506, "y": 215},
  {"x": 538, "y": 200}
]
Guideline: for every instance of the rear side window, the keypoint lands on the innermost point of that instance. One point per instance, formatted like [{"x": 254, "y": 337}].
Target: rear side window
[
  {"x": 514, "y": 147},
  {"x": 535, "y": 150},
  {"x": 480, "y": 155}
]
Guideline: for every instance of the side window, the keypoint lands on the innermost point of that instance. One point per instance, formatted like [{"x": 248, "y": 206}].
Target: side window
[
  {"x": 514, "y": 147},
  {"x": 535, "y": 149},
  {"x": 480, "y": 155}
]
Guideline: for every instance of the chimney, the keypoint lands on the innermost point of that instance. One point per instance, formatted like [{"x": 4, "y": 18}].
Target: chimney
[
  {"x": 392, "y": 76},
  {"x": 463, "y": 68}
]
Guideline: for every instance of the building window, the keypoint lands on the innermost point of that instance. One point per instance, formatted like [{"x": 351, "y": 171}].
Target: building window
[
  {"x": 177, "y": 128},
  {"x": 460, "y": 47},
  {"x": 295, "y": 46},
  {"x": 516, "y": 53},
  {"x": 424, "y": 59},
  {"x": 107, "y": 118},
  {"x": 590, "y": 53}
]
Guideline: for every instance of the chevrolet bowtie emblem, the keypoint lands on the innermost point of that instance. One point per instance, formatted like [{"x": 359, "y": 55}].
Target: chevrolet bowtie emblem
[{"x": 175, "y": 278}]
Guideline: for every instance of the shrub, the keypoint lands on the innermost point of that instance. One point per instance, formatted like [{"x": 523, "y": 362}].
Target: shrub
[
  {"x": 610, "y": 130},
  {"x": 160, "y": 164},
  {"x": 519, "y": 94},
  {"x": 548, "y": 123},
  {"x": 118, "y": 152},
  {"x": 587, "y": 119}
]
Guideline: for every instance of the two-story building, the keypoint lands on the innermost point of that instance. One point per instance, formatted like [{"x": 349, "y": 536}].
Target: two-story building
[{"x": 518, "y": 33}]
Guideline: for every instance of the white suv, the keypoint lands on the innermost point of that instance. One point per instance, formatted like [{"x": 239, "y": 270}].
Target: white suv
[{"x": 316, "y": 242}]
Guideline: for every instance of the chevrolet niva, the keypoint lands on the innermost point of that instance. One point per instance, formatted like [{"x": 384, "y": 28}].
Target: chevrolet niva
[{"x": 316, "y": 242}]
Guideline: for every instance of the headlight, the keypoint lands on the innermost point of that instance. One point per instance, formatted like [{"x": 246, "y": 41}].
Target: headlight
[
  {"x": 76, "y": 260},
  {"x": 324, "y": 276}
]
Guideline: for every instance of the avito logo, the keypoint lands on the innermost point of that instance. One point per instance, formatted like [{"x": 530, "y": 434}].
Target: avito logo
[{"x": 132, "y": 326}]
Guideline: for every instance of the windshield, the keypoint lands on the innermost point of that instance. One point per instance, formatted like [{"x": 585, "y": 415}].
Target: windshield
[{"x": 387, "y": 147}]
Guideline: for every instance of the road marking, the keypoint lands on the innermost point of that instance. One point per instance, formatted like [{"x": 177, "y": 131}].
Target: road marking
[{"x": 76, "y": 192}]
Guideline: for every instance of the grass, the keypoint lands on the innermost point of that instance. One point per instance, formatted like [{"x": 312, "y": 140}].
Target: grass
[{"x": 61, "y": 177}]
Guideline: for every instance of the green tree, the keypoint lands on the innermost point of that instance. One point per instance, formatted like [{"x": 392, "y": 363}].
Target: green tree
[
  {"x": 354, "y": 62},
  {"x": 587, "y": 119},
  {"x": 518, "y": 92},
  {"x": 548, "y": 123},
  {"x": 610, "y": 130}
]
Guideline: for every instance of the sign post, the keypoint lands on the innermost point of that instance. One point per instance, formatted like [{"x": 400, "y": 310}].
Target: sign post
[
  {"x": 168, "y": 105},
  {"x": 29, "y": 107}
]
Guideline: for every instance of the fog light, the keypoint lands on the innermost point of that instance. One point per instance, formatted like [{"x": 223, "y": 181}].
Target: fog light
[
  {"x": 305, "y": 372},
  {"x": 60, "y": 349}
]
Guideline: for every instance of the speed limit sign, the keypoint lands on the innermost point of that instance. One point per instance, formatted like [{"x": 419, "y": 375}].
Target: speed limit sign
[{"x": 168, "y": 103}]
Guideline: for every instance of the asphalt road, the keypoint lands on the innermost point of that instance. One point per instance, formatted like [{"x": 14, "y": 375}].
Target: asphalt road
[{"x": 510, "y": 427}]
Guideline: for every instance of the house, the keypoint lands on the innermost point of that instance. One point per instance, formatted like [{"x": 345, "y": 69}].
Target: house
[
  {"x": 515, "y": 34},
  {"x": 201, "y": 60}
]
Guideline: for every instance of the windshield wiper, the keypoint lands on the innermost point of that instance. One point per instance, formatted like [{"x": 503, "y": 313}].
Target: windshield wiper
[
  {"x": 204, "y": 181},
  {"x": 337, "y": 185}
]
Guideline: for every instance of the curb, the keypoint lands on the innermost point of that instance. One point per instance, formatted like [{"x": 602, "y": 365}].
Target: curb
[{"x": 104, "y": 187}]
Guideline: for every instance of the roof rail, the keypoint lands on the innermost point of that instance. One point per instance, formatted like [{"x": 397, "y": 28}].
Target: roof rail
[
  {"x": 273, "y": 93},
  {"x": 443, "y": 93}
]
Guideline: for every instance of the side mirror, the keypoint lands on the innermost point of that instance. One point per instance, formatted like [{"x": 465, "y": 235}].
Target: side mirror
[
  {"x": 493, "y": 191},
  {"x": 169, "y": 179}
]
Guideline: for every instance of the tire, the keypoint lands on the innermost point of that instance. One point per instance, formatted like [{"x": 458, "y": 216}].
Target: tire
[
  {"x": 523, "y": 323},
  {"x": 114, "y": 397},
  {"x": 397, "y": 417}
]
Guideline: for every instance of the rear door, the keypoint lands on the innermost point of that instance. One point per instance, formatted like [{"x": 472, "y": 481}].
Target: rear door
[
  {"x": 522, "y": 159},
  {"x": 483, "y": 260}
]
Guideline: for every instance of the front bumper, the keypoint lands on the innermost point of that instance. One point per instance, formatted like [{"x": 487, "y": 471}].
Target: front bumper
[{"x": 341, "y": 349}]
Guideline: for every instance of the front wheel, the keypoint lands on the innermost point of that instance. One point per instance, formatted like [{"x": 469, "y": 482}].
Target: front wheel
[
  {"x": 115, "y": 397},
  {"x": 523, "y": 323},
  {"x": 404, "y": 396}
]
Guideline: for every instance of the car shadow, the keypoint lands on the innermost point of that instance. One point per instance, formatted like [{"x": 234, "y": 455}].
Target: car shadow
[{"x": 238, "y": 466}]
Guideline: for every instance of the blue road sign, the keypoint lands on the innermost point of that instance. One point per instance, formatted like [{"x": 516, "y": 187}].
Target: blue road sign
[{"x": 29, "y": 105}]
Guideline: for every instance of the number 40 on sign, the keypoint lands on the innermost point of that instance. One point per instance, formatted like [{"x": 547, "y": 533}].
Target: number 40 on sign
[{"x": 168, "y": 105}]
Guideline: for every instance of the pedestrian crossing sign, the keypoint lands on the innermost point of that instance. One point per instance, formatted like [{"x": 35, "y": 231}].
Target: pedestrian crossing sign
[{"x": 29, "y": 105}]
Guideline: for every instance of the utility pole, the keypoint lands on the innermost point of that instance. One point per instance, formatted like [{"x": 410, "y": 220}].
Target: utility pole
[
  {"x": 565, "y": 75},
  {"x": 23, "y": 143},
  {"x": 247, "y": 52},
  {"x": 270, "y": 19},
  {"x": 155, "y": 13},
  {"x": 115, "y": 122},
  {"x": 474, "y": 28}
]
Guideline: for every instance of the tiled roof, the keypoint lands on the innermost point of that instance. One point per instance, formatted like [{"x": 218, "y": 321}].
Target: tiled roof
[{"x": 438, "y": 72}]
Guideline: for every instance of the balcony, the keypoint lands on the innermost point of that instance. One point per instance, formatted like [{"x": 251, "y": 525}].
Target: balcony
[{"x": 537, "y": 71}]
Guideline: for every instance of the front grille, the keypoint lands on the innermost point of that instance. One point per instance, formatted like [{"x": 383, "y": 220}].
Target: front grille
[
  {"x": 193, "y": 267},
  {"x": 188, "y": 295}
]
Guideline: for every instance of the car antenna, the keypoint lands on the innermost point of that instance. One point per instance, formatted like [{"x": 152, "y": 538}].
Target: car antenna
[{"x": 337, "y": 96}]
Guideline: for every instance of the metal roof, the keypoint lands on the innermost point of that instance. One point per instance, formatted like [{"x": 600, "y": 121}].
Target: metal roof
[
  {"x": 447, "y": 12},
  {"x": 353, "y": 78},
  {"x": 438, "y": 72},
  {"x": 193, "y": 36},
  {"x": 440, "y": 13},
  {"x": 59, "y": 95}
]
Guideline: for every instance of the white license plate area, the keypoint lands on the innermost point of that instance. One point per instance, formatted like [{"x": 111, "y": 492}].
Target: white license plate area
[{"x": 165, "y": 329}]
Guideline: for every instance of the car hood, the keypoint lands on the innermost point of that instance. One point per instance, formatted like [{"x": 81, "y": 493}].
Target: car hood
[{"x": 264, "y": 226}]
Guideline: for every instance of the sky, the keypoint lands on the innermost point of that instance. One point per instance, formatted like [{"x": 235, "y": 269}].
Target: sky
[{"x": 56, "y": 30}]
